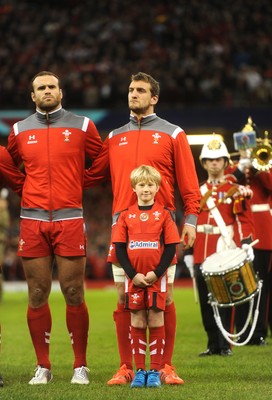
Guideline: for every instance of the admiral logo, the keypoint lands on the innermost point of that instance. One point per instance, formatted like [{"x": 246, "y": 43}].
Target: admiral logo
[
  {"x": 32, "y": 139},
  {"x": 123, "y": 141},
  {"x": 156, "y": 137},
  {"x": 140, "y": 244}
]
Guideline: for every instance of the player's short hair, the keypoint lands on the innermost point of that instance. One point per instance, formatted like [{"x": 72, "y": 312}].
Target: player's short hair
[
  {"x": 142, "y": 76},
  {"x": 145, "y": 173},
  {"x": 43, "y": 73}
]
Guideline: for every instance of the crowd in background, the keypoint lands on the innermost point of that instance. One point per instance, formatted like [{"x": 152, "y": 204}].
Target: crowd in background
[{"x": 202, "y": 53}]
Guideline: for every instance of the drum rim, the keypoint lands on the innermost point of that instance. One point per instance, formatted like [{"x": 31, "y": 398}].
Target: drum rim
[
  {"x": 233, "y": 304},
  {"x": 227, "y": 270}
]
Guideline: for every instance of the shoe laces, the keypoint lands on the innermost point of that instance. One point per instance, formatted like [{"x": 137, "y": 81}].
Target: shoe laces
[
  {"x": 123, "y": 371},
  {"x": 38, "y": 371},
  {"x": 169, "y": 370},
  {"x": 81, "y": 372},
  {"x": 153, "y": 375}
]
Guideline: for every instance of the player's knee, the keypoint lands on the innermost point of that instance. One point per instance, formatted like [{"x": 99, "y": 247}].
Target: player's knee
[
  {"x": 74, "y": 295},
  {"x": 38, "y": 296}
]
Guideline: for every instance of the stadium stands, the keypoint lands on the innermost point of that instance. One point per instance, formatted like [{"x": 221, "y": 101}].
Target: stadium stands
[{"x": 212, "y": 53}]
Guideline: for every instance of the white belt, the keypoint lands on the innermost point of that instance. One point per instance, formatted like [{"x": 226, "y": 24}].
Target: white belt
[
  {"x": 206, "y": 228},
  {"x": 260, "y": 207}
]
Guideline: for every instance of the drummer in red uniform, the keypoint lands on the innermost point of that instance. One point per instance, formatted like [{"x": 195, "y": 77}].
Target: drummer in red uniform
[
  {"x": 223, "y": 207},
  {"x": 259, "y": 177}
]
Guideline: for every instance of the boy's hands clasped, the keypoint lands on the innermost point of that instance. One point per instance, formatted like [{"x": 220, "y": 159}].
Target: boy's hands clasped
[{"x": 143, "y": 281}]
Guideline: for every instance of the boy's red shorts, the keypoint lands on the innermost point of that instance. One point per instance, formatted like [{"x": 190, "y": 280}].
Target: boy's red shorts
[{"x": 144, "y": 299}]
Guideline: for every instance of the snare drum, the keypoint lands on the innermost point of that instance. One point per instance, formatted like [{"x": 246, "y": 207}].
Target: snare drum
[{"x": 230, "y": 277}]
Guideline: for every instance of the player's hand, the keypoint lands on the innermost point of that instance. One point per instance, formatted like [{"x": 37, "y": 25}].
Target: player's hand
[
  {"x": 188, "y": 236},
  {"x": 140, "y": 280},
  {"x": 151, "y": 277}
]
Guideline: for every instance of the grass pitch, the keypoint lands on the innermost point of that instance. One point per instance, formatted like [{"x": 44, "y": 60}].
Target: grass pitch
[{"x": 244, "y": 376}]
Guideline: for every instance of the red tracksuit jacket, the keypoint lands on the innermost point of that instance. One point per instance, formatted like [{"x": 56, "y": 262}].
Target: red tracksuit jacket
[
  {"x": 152, "y": 141},
  {"x": 53, "y": 152}
]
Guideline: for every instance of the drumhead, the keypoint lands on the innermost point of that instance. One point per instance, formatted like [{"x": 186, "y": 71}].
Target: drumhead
[{"x": 224, "y": 260}]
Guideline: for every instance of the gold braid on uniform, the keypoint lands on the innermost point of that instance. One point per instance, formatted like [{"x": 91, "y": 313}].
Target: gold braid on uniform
[{"x": 230, "y": 193}]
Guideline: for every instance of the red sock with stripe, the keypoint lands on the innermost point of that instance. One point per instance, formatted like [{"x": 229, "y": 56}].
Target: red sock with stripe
[
  {"x": 138, "y": 345},
  {"x": 39, "y": 323},
  {"x": 121, "y": 318},
  {"x": 156, "y": 346},
  {"x": 77, "y": 321},
  {"x": 170, "y": 324}
]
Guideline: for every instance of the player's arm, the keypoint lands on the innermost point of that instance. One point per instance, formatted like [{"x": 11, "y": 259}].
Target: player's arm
[
  {"x": 13, "y": 148},
  {"x": 166, "y": 259},
  {"x": 122, "y": 256},
  {"x": 99, "y": 171},
  {"x": 11, "y": 176}
]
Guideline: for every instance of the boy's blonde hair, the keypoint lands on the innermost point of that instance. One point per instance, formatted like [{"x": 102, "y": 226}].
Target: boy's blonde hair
[{"x": 145, "y": 173}]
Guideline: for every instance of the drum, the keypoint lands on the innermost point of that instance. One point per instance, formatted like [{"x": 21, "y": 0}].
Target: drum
[{"x": 230, "y": 277}]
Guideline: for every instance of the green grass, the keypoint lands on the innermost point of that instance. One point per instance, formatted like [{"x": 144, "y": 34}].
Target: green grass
[{"x": 245, "y": 376}]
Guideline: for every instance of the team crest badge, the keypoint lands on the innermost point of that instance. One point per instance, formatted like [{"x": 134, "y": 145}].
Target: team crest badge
[
  {"x": 21, "y": 244},
  {"x": 157, "y": 215},
  {"x": 134, "y": 298},
  {"x": 156, "y": 137},
  {"x": 66, "y": 134},
  {"x": 144, "y": 217}
]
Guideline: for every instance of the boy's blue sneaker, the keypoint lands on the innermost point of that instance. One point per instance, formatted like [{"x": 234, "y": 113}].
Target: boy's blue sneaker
[
  {"x": 139, "y": 379},
  {"x": 153, "y": 379}
]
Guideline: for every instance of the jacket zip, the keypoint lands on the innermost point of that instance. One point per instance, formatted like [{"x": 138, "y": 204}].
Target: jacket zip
[{"x": 49, "y": 167}]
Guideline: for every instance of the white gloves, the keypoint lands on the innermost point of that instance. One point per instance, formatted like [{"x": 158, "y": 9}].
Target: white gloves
[
  {"x": 189, "y": 262},
  {"x": 245, "y": 191},
  {"x": 249, "y": 250},
  {"x": 243, "y": 164}
]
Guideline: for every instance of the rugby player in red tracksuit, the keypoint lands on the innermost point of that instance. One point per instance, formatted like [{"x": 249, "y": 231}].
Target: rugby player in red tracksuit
[
  {"x": 234, "y": 211},
  {"x": 12, "y": 177},
  {"x": 52, "y": 143},
  {"x": 147, "y": 139},
  {"x": 146, "y": 237},
  {"x": 261, "y": 184}
]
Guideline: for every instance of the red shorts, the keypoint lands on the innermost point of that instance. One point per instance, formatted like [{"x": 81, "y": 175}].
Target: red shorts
[
  {"x": 65, "y": 238},
  {"x": 144, "y": 299}
]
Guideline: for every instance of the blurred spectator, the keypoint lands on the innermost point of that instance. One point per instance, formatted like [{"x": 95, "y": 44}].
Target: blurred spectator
[{"x": 203, "y": 53}]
